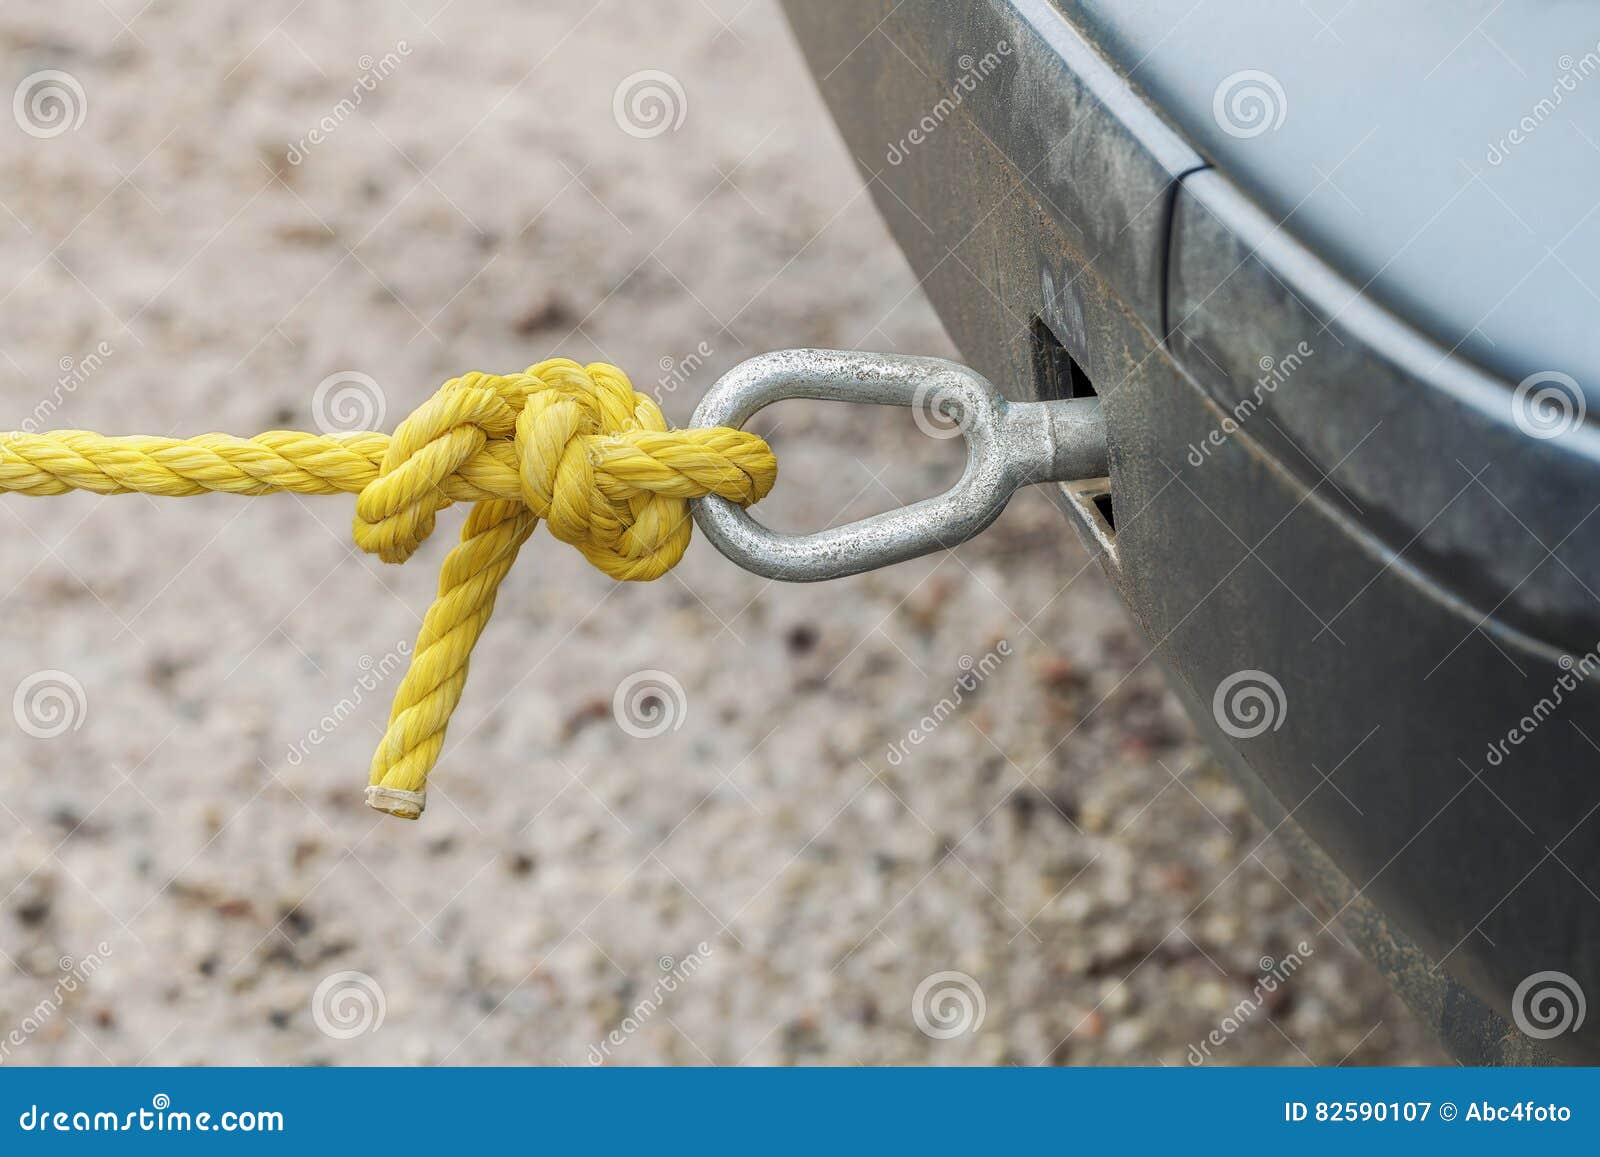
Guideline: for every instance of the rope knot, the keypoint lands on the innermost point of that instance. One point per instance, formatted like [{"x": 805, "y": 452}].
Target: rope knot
[
  {"x": 592, "y": 457},
  {"x": 577, "y": 447}
]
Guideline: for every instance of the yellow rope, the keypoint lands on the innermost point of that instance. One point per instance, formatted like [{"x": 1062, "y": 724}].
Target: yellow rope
[{"x": 574, "y": 445}]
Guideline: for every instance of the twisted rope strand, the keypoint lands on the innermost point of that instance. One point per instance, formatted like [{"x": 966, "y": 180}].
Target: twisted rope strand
[{"x": 574, "y": 445}]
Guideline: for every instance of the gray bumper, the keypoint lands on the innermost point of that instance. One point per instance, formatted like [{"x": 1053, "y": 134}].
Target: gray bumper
[{"x": 1303, "y": 487}]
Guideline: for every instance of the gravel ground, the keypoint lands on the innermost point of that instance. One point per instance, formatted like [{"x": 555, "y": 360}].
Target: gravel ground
[{"x": 194, "y": 838}]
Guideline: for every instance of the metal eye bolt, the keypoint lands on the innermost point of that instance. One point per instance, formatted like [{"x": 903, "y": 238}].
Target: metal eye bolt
[{"x": 1009, "y": 444}]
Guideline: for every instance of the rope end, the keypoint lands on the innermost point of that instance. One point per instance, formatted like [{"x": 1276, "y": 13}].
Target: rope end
[{"x": 406, "y": 805}]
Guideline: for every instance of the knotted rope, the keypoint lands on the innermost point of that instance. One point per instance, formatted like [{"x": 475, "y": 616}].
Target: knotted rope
[{"x": 573, "y": 445}]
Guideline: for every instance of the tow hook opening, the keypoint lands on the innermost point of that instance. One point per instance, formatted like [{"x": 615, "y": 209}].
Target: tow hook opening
[
  {"x": 1057, "y": 374},
  {"x": 1102, "y": 503}
]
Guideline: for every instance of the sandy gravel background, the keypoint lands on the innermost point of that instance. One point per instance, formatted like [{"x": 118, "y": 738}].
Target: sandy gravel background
[{"x": 1062, "y": 840}]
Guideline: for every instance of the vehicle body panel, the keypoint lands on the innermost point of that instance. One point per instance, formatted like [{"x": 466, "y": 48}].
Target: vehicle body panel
[{"x": 1377, "y": 532}]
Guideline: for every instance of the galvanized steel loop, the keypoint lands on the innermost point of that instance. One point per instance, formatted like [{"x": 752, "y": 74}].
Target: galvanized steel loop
[{"x": 1009, "y": 444}]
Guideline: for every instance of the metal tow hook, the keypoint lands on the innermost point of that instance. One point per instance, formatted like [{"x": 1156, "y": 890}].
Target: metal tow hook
[{"x": 1009, "y": 444}]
